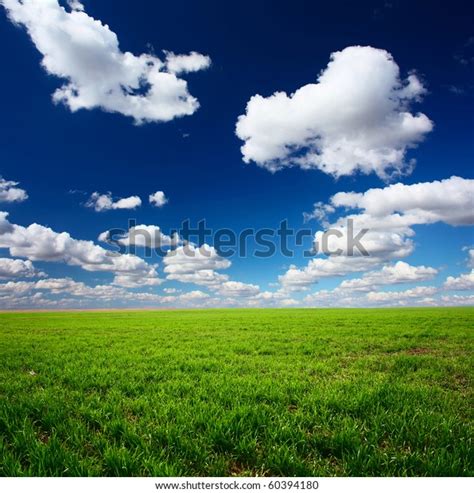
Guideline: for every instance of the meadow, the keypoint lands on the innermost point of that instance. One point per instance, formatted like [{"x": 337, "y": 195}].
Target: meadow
[{"x": 355, "y": 392}]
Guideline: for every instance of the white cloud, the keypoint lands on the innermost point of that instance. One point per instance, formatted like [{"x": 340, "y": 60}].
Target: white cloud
[
  {"x": 356, "y": 117},
  {"x": 458, "y": 300},
  {"x": 171, "y": 290},
  {"x": 39, "y": 243},
  {"x": 142, "y": 235},
  {"x": 401, "y": 297},
  {"x": 388, "y": 214},
  {"x": 16, "y": 268},
  {"x": 193, "y": 296},
  {"x": 235, "y": 289},
  {"x": 450, "y": 200},
  {"x": 332, "y": 298},
  {"x": 179, "y": 64},
  {"x": 296, "y": 279},
  {"x": 138, "y": 280},
  {"x": 158, "y": 199},
  {"x": 462, "y": 283},
  {"x": 9, "y": 192},
  {"x": 470, "y": 260},
  {"x": 105, "y": 202},
  {"x": 67, "y": 293},
  {"x": 86, "y": 53},
  {"x": 398, "y": 273},
  {"x": 68, "y": 287},
  {"x": 197, "y": 265},
  {"x": 16, "y": 288}
]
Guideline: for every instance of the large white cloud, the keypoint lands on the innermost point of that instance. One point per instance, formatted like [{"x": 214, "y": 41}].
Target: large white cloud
[
  {"x": 37, "y": 242},
  {"x": 86, "y": 53},
  {"x": 9, "y": 192},
  {"x": 388, "y": 214},
  {"x": 356, "y": 117},
  {"x": 105, "y": 202}
]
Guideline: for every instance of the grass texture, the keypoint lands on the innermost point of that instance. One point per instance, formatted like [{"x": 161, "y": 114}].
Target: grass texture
[{"x": 237, "y": 392}]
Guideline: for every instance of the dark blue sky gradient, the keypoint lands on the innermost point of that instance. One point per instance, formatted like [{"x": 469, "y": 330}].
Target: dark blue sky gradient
[{"x": 256, "y": 47}]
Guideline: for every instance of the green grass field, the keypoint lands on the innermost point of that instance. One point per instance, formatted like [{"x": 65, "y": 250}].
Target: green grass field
[{"x": 237, "y": 392}]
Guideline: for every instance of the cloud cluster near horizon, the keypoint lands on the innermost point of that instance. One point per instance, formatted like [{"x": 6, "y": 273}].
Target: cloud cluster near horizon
[
  {"x": 389, "y": 214},
  {"x": 392, "y": 213}
]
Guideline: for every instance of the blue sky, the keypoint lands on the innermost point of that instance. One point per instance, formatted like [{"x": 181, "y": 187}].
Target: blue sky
[{"x": 255, "y": 48}]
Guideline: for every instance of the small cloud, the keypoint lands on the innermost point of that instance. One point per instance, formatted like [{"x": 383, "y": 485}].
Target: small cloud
[
  {"x": 158, "y": 199},
  {"x": 105, "y": 202}
]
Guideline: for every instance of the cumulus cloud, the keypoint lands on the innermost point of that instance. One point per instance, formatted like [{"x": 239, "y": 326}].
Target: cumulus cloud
[
  {"x": 16, "y": 288},
  {"x": 299, "y": 279},
  {"x": 86, "y": 54},
  {"x": 356, "y": 117},
  {"x": 64, "y": 288},
  {"x": 458, "y": 300},
  {"x": 462, "y": 283},
  {"x": 9, "y": 192},
  {"x": 197, "y": 265},
  {"x": 105, "y": 202},
  {"x": 180, "y": 64},
  {"x": 402, "y": 297},
  {"x": 158, "y": 199},
  {"x": 235, "y": 289},
  {"x": 398, "y": 273},
  {"x": 65, "y": 292},
  {"x": 142, "y": 235},
  {"x": 193, "y": 296},
  {"x": 388, "y": 214},
  {"x": 39, "y": 243},
  {"x": 340, "y": 297},
  {"x": 16, "y": 268},
  {"x": 450, "y": 201}
]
